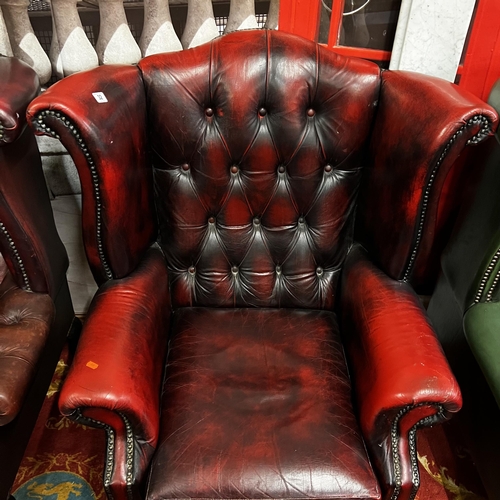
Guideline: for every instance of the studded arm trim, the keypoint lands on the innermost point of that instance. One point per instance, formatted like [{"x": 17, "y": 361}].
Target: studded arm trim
[
  {"x": 125, "y": 455},
  {"x": 11, "y": 245},
  {"x": 115, "y": 379},
  {"x": 489, "y": 280},
  {"x": 401, "y": 378}
]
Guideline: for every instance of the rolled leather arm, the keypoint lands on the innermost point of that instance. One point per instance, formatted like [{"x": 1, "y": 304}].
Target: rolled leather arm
[
  {"x": 100, "y": 117},
  {"x": 25, "y": 321},
  {"x": 116, "y": 376},
  {"x": 18, "y": 86},
  {"x": 401, "y": 378},
  {"x": 422, "y": 126}
]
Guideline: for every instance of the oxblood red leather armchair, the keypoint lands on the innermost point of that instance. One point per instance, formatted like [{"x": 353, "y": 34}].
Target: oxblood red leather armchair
[
  {"x": 220, "y": 186},
  {"x": 35, "y": 307}
]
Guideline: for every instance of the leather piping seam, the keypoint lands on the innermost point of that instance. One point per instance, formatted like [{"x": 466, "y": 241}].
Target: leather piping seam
[
  {"x": 15, "y": 251},
  {"x": 129, "y": 479},
  {"x": 38, "y": 122},
  {"x": 110, "y": 447},
  {"x": 484, "y": 131},
  {"x": 489, "y": 295},
  {"x": 1, "y": 131},
  {"x": 485, "y": 278},
  {"x": 411, "y": 444}
]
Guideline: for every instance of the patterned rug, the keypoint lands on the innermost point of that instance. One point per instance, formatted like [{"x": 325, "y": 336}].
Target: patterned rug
[{"x": 64, "y": 460}]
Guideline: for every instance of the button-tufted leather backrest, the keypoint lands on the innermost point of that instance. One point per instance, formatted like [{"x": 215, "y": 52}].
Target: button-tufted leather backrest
[{"x": 258, "y": 148}]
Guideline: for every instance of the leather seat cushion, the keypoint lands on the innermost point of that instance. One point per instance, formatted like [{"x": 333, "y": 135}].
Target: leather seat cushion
[
  {"x": 25, "y": 321},
  {"x": 257, "y": 404}
]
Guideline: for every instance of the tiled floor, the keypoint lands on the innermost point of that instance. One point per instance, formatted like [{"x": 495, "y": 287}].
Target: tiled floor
[{"x": 67, "y": 214}]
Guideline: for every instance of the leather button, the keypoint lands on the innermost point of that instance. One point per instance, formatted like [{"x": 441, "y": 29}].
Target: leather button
[
  {"x": 281, "y": 169},
  {"x": 319, "y": 271},
  {"x": 301, "y": 220},
  {"x": 234, "y": 169},
  {"x": 234, "y": 269},
  {"x": 278, "y": 269},
  {"x": 262, "y": 112},
  {"x": 185, "y": 166},
  {"x": 209, "y": 112},
  {"x": 211, "y": 220},
  {"x": 256, "y": 221},
  {"x": 328, "y": 168},
  {"x": 192, "y": 270},
  {"x": 311, "y": 112}
]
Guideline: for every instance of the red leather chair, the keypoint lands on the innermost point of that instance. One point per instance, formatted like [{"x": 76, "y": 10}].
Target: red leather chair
[
  {"x": 220, "y": 186},
  {"x": 35, "y": 307}
]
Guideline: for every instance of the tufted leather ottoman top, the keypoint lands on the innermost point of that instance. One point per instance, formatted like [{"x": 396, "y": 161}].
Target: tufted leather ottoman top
[
  {"x": 257, "y": 404},
  {"x": 25, "y": 321}
]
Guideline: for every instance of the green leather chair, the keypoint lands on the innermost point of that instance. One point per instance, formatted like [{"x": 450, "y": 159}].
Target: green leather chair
[{"x": 465, "y": 311}]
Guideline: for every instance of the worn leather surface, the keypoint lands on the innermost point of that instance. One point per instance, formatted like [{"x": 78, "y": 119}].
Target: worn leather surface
[
  {"x": 257, "y": 404},
  {"x": 120, "y": 357},
  {"x": 396, "y": 362},
  {"x": 114, "y": 133},
  {"x": 418, "y": 117},
  {"x": 257, "y": 167},
  {"x": 25, "y": 321},
  {"x": 481, "y": 328},
  {"x": 18, "y": 86},
  {"x": 390, "y": 343}
]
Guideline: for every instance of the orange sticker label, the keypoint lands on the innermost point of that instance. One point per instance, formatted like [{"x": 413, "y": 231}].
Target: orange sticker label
[{"x": 92, "y": 365}]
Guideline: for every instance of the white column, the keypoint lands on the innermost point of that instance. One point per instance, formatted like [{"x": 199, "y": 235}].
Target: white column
[
  {"x": 273, "y": 15},
  {"x": 200, "y": 24},
  {"x": 430, "y": 36},
  {"x": 241, "y": 16},
  {"x": 158, "y": 34},
  {"x": 75, "y": 52},
  {"x": 55, "y": 51},
  {"x": 115, "y": 45},
  {"x": 5, "y": 48},
  {"x": 25, "y": 45}
]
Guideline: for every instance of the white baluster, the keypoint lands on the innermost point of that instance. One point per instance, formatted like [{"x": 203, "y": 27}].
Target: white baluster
[
  {"x": 55, "y": 51},
  {"x": 75, "y": 50},
  {"x": 158, "y": 34},
  {"x": 241, "y": 16},
  {"x": 200, "y": 24},
  {"x": 24, "y": 43},
  {"x": 115, "y": 45},
  {"x": 273, "y": 15},
  {"x": 5, "y": 48}
]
